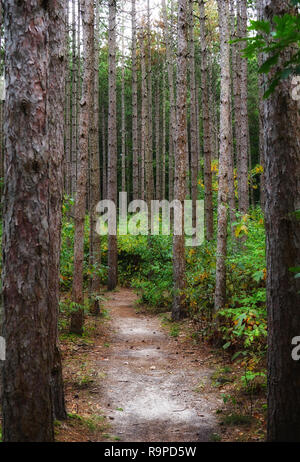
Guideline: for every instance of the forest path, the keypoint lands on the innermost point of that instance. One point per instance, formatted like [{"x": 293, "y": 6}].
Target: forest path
[{"x": 150, "y": 390}]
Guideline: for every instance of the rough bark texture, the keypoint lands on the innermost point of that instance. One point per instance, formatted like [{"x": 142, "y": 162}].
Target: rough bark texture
[
  {"x": 135, "y": 160},
  {"x": 95, "y": 253},
  {"x": 193, "y": 113},
  {"x": 112, "y": 142},
  {"x": 179, "y": 307},
  {"x": 74, "y": 101},
  {"x": 206, "y": 127},
  {"x": 104, "y": 155},
  {"x": 261, "y": 80},
  {"x": 244, "y": 129},
  {"x": 163, "y": 173},
  {"x": 26, "y": 393},
  {"x": 157, "y": 142},
  {"x": 123, "y": 114},
  {"x": 87, "y": 14},
  {"x": 282, "y": 157},
  {"x": 56, "y": 96},
  {"x": 225, "y": 120},
  {"x": 172, "y": 124},
  {"x": 68, "y": 182}
]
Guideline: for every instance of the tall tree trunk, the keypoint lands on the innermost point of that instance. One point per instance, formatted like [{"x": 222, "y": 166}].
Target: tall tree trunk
[
  {"x": 123, "y": 114},
  {"x": 179, "y": 305},
  {"x": 193, "y": 113},
  {"x": 163, "y": 173},
  {"x": 135, "y": 160},
  {"x": 150, "y": 116},
  {"x": 26, "y": 390},
  {"x": 95, "y": 253},
  {"x": 209, "y": 220},
  {"x": 145, "y": 121},
  {"x": 225, "y": 146},
  {"x": 104, "y": 155},
  {"x": 261, "y": 118},
  {"x": 56, "y": 96},
  {"x": 74, "y": 99},
  {"x": 243, "y": 155},
  {"x": 172, "y": 126},
  {"x": 68, "y": 157},
  {"x": 157, "y": 141},
  {"x": 282, "y": 157},
  {"x": 112, "y": 143},
  {"x": 87, "y": 14}
]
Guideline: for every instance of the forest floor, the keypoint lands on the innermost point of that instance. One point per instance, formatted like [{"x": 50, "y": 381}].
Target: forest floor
[{"x": 137, "y": 377}]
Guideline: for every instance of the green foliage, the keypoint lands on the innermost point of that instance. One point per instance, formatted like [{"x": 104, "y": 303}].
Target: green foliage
[
  {"x": 272, "y": 39},
  {"x": 146, "y": 264}
]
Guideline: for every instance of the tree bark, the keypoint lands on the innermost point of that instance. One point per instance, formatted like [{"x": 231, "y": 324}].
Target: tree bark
[
  {"x": 112, "y": 143},
  {"x": 77, "y": 317},
  {"x": 135, "y": 161},
  {"x": 56, "y": 96},
  {"x": 209, "y": 221},
  {"x": 26, "y": 391},
  {"x": 179, "y": 305},
  {"x": 95, "y": 252},
  {"x": 225, "y": 120},
  {"x": 282, "y": 158},
  {"x": 172, "y": 123}
]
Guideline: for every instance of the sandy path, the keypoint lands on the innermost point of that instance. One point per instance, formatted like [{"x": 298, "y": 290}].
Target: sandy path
[{"x": 149, "y": 391}]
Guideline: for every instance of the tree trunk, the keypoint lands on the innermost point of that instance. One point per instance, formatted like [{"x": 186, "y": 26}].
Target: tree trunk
[
  {"x": 95, "y": 253},
  {"x": 157, "y": 141},
  {"x": 244, "y": 158},
  {"x": 225, "y": 146},
  {"x": 135, "y": 161},
  {"x": 179, "y": 305},
  {"x": 74, "y": 100},
  {"x": 209, "y": 220},
  {"x": 26, "y": 391},
  {"x": 282, "y": 157},
  {"x": 172, "y": 124},
  {"x": 193, "y": 113},
  {"x": 112, "y": 143},
  {"x": 56, "y": 98},
  {"x": 77, "y": 318}
]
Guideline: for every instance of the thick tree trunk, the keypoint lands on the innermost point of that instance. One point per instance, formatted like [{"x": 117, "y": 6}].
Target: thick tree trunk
[
  {"x": 77, "y": 318},
  {"x": 26, "y": 391},
  {"x": 225, "y": 146},
  {"x": 179, "y": 306},
  {"x": 112, "y": 143},
  {"x": 282, "y": 157}
]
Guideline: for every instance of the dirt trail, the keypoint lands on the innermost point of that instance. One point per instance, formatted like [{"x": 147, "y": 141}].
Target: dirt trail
[{"x": 149, "y": 393}]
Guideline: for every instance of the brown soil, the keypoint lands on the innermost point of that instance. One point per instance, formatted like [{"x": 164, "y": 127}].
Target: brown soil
[
  {"x": 150, "y": 391},
  {"x": 129, "y": 380}
]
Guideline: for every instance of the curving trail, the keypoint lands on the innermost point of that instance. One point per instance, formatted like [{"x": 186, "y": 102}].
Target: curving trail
[{"x": 149, "y": 393}]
